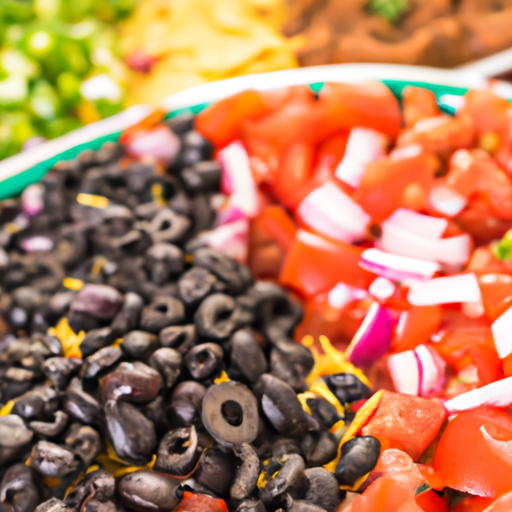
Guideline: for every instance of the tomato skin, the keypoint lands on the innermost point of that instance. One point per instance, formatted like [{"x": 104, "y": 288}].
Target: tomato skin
[
  {"x": 488, "y": 364},
  {"x": 385, "y": 181},
  {"x": 429, "y": 501},
  {"x": 466, "y": 462},
  {"x": 473, "y": 504},
  {"x": 420, "y": 323},
  {"x": 397, "y": 419},
  {"x": 315, "y": 264},
  {"x": 496, "y": 289},
  {"x": 192, "y": 502},
  {"x": 418, "y": 104},
  {"x": 220, "y": 122}
]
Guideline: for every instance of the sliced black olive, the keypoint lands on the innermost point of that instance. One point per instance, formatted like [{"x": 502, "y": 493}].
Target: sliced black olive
[
  {"x": 302, "y": 506},
  {"x": 13, "y": 432},
  {"x": 290, "y": 481},
  {"x": 129, "y": 315},
  {"x": 52, "y": 460},
  {"x": 60, "y": 369},
  {"x": 95, "y": 492},
  {"x": 52, "y": 505},
  {"x": 84, "y": 441},
  {"x": 325, "y": 413},
  {"x": 80, "y": 405},
  {"x": 319, "y": 448},
  {"x": 53, "y": 429},
  {"x": 323, "y": 489},
  {"x": 347, "y": 387},
  {"x": 216, "y": 470},
  {"x": 168, "y": 362},
  {"x": 285, "y": 446},
  {"x": 203, "y": 177},
  {"x": 29, "y": 407},
  {"x": 146, "y": 491},
  {"x": 203, "y": 360},
  {"x": 247, "y": 358},
  {"x": 162, "y": 312},
  {"x": 247, "y": 474},
  {"x": 195, "y": 285},
  {"x": 18, "y": 491},
  {"x": 95, "y": 340},
  {"x": 100, "y": 361},
  {"x": 139, "y": 344},
  {"x": 178, "y": 452},
  {"x": 282, "y": 407},
  {"x": 134, "y": 382},
  {"x": 163, "y": 261},
  {"x": 168, "y": 226},
  {"x": 230, "y": 413},
  {"x": 180, "y": 337},
  {"x": 358, "y": 457},
  {"x": 131, "y": 433},
  {"x": 190, "y": 391}
]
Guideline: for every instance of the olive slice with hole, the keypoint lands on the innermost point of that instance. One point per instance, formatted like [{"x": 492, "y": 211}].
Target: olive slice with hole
[{"x": 230, "y": 413}]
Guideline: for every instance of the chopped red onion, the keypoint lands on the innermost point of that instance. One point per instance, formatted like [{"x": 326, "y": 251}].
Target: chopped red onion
[
  {"x": 413, "y": 222},
  {"x": 446, "y": 201},
  {"x": 32, "y": 199},
  {"x": 502, "y": 333},
  {"x": 158, "y": 142},
  {"x": 452, "y": 251},
  {"x": 330, "y": 212},
  {"x": 373, "y": 338},
  {"x": 418, "y": 372},
  {"x": 237, "y": 179},
  {"x": 382, "y": 288},
  {"x": 495, "y": 394},
  {"x": 230, "y": 238},
  {"x": 445, "y": 290},
  {"x": 397, "y": 268},
  {"x": 363, "y": 146},
  {"x": 36, "y": 244}
]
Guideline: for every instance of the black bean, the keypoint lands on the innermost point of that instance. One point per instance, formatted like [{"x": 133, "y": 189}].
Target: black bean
[
  {"x": 50, "y": 429},
  {"x": 178, "y": 452},
  {"x": 290, "y": 481},
  {"x": 230, "y": 413},
  {"x": 163, "y": 261},
  {"x": 247, "y": 474},
  {"x": 162, "y": 312},
  {"x": 168, "y": 362},
  {"x": 216, "y": 470},
  {"x": 52, "y": 460},
  {"x": 13, "y": 432},
  {"x": 247, "y": 358},
  {"x": 134, "y": 382},
  {"x": 98, "y": 300},
  {"x": 139, "y": 344},
  {"x": 347, "y": 387},
  {"x": 358, "y": 457},
  {"x": 18, "y": 492},
  {"x": 100, "y": 361},
  {"x": 282, "y": 407},
  {"x": 131, "y": 433},
  {"x": 202, "y": 361},
  {"x": 146, "y": 491},
  {"x": 323, "y": 489},
  {"x": 60, "y": 369}
]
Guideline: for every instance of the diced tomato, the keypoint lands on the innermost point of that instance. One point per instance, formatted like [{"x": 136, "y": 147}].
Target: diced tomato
[
  {"x": 473, "y": 504},
  {"x": 487, "y": 362},
  {"x": 464, "y": 459},
  {"x": 384, "y": 182},
  {"x": 496, "y": 291},
  {"x": 416, "y": 326},
  {"x": 192, "y": 502},
  {"x": 418, "y": 104},
  {"x": 315, "y": 264},
  {"x": 410, "y": 423},
  {"x": 429, "y": 501}
]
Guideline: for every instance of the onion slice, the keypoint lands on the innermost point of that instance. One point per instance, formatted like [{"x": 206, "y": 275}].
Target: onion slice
[
  {"x": 446, "y": 201},
  {"x": 158, "y": 142},
  {"x": 237, "y": 179},
  {"x": 32, "y": 201},
  {"x": 397, "y": 268},
  {"x": 373, "y": 338},
  {"x": 363, "y": 146},
  {"x": 330, "y": 212},
  {"x": 230, "y": 238},
  {"x": 417, "y": 372},
  {"x": 445, "y": 290},
  {"x": 502, "y": 334},
  {"x": 496, "y": 394},
  {"x": 503, "y": 449},
  {"x": 413, "y": 222}
]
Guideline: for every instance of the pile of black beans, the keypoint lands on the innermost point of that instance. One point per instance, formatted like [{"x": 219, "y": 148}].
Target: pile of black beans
[{"x": 187, "y": 370}]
